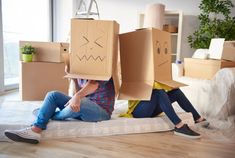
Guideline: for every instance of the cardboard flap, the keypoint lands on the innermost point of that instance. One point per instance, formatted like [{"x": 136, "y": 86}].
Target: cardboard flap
[
  {"x": 225, "y": 63},
  {"x": 173, "y": 84},
  {"x": 136, "y": 65},
  {"x": 229, "y": 44},
  {"x": 116, "y": 70},
  {"x": 136, "y": 56},
  {"x": 88, "y": 77},
  {"x": 135, "y": 91},
  {"x": 229, "y": 50},
  {"x": 216, "y": 48}
]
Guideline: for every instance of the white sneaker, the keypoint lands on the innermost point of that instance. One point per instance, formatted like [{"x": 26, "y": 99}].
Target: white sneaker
[
  {"x": 23, "y": 135},
  {"x": 35, "y": 112}
]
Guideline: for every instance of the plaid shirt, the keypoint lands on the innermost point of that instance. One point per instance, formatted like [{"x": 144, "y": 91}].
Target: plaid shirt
[{"x": 104, "y": 95}]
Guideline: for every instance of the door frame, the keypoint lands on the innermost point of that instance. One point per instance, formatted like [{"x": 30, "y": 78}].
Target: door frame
[{"x": 1, "y": 53}]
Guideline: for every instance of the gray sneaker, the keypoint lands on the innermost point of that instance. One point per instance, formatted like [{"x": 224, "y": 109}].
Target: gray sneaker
[
  {"x": 23, "y": 135},
  {"x": 185, "y": 131}
]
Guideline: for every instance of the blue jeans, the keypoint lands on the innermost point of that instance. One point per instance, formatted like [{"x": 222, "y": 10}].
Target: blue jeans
[
  {"x": 161, "y": 101},
  {"x": 89, "y": 111}
]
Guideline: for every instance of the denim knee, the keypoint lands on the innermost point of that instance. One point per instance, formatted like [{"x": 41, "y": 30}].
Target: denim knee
[{"x": 52, "y": 94}]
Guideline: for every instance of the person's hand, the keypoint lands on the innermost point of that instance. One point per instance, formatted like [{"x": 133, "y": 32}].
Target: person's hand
[
  {"x": 66, "y": 69},
  {"x": 74, "y": 103}
]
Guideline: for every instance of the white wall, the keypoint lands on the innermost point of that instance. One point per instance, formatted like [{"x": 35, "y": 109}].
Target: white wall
[
  {"x": 63, "y": 12},
  {"x": 125, "y": 12}
]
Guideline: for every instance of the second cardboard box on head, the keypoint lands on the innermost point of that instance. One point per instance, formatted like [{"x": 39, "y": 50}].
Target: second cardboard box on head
[{"x": 145, "y": 57}]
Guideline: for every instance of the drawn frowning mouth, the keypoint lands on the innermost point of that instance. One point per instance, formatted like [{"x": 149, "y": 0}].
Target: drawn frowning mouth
[
  {"x": 90, "y": 57},
  {"x": 163, "y": 63}
]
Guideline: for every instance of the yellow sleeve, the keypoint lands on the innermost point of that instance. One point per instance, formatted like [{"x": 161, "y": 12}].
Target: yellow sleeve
[
  {"x": 158, "y": 85},
  {"x": 133, "y": 103},
  {"x": 131, "y": 106}
]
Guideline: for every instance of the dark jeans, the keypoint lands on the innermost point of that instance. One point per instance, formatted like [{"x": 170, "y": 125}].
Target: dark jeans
[{"x": 161, "y": 101}]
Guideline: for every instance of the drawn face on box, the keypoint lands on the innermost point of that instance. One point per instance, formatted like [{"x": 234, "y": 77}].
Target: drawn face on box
[
  {"x": 162, "y": 57},
  {"x": 92, "y": 49}
]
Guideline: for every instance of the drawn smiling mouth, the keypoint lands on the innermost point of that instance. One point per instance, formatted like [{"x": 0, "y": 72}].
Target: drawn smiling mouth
[
  {"x": 90, "y": 57},
  {"x": 163, "y": 63}
]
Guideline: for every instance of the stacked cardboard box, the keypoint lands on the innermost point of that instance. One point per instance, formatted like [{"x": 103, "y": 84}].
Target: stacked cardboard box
[
  {"x": 45, "y": 73},
  {"x": 222, "y": 54}
]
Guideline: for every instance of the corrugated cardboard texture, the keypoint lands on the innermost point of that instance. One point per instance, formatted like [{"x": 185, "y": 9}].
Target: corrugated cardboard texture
[
  {"x": 136, "y": 65},
  {"x": 229, "y": 50},
  {"x": 47, "y": 51},
  {"x": 93, "y": 48},
  {"x": 204, "y": 69},
  {"x": 132, "y": 90},
  {"x": 38, "y": 78},
  {"x": 116, "y": 71},
  {"x": 94, "y": 51},
  {"x": 220, "y": 49},
  {"x": 145, "y": 58},
  {"x": 162, "y": 55}
]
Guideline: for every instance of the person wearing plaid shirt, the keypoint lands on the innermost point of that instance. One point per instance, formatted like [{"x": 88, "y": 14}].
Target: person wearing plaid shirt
[{"x": 94, "y": 101}]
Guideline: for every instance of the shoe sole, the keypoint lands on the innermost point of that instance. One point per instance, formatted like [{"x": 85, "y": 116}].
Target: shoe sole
[
  {"x": 187, "y": 136},
  {"x": 17, "y": 138},
  {"x": 203, "y": 124}
]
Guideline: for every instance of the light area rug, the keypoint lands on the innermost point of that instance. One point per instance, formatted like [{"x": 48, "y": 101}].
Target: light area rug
[{"x": 17, "y": 114}]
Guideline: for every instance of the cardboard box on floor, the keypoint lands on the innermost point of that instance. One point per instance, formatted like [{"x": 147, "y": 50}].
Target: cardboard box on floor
[
  {"x": 145, "y": 58},
  {"x": 38, "y": 78},
  {"x": 221, "y": 49},
  {"x": 94, "y": 50},
  {"x": 47, "y": 51},
  {"x": 204, "y": 69}
]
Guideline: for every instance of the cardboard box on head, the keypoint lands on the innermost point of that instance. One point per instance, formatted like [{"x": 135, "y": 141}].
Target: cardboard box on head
[
  {"x": 145, "y": 58},
  {"x": 94, "y": 50}
]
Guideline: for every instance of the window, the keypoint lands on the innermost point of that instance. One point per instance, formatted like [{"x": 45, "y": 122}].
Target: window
[{"x": 22, "y": 20}]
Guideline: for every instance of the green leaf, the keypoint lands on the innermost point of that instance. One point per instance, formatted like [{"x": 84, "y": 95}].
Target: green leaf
[{"x": 212, "y": 25}]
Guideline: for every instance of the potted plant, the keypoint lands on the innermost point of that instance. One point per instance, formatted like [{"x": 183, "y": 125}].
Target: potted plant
[
  {"x": 27, "y": 52},
  {"x": 215, "y": 22}
]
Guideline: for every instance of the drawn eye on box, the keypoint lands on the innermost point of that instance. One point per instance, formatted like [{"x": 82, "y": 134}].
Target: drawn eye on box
[
  {"x": 92, "y": 45},
  {"x": 158, "y": 46},
  {"x": 161, "y": 52},
  {"x": 86, "y": 56},
  {"x": 96, "y": 41},
  {"x": 165, "y": 47}
]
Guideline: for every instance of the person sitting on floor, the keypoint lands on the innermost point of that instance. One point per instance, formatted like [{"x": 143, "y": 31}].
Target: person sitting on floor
[
  {"x": 93, "y": 102},
  {"x": 161, "y": 101}
]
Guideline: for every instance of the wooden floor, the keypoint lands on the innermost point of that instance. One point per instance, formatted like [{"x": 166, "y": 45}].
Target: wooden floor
[
  {"x": 150, "y": 145},
  {"x": 160, "y": 145}
]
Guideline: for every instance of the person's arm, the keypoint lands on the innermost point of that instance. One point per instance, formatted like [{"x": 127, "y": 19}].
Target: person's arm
[
  {"x": 89, "y": 88},
  {"x": 76, "y": 86},
  {"x": 74, "y": 80}
]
